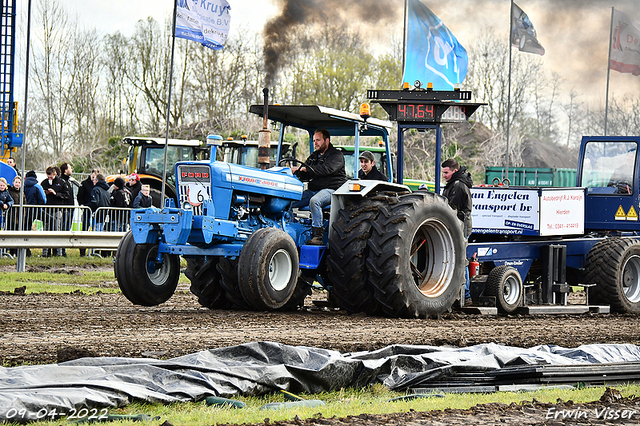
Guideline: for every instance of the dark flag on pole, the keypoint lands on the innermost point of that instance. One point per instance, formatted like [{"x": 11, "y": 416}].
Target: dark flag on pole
[{"x": 523, "y": 35}]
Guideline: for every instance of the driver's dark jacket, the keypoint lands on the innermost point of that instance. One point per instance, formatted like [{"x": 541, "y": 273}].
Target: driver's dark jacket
[{"x": 328, "y": 170}]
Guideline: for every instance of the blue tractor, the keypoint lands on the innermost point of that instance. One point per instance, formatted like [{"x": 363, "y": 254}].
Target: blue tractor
[{"x": 387, "y": 251}]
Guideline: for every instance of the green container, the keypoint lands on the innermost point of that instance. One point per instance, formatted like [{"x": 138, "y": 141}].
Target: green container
[{"x": 532, "y": 176}]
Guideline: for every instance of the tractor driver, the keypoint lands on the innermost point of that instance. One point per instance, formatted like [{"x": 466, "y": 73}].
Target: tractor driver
[{"x": 325, "y": 174}]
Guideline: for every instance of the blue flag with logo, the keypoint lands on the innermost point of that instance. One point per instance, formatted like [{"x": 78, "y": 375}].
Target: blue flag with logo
[
  {"x": 433, "y": 54},
  {"x": 206, "y": 22}
]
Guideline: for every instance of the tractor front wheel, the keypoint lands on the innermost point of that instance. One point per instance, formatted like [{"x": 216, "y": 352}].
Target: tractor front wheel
[
  {"x": 142, "y": 278},
  {"x": 268, "y": 269}
]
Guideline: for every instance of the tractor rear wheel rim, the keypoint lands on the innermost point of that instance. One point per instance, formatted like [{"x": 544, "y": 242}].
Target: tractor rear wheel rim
[
  {"x": 631, "y": 279},
  {"x": 432, "y": 257},
  {"x": 280, "y": 269}
]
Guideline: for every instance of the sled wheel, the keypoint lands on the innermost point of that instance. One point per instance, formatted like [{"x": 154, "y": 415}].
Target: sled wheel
[
  {"x": 417, "y": 256},
  {"x": 228, "y": 270},
  {"x": 504, "y": 282},
  {"x": 148, "y": 283},
  {"x": 268, "y": 269},
  {"x": 613, "y": 264},
  {"x": 205, "y": 282},
  {"x": 348, "y": 251}
]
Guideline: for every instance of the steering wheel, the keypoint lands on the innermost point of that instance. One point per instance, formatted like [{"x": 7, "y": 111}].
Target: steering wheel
[
  {"x": 295, "y": 160},
  {"x": 621, "y": 187}
]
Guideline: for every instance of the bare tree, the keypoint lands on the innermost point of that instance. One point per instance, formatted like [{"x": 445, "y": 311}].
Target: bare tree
[
  {"x": 488, "y": 78},
  {"x": 121, "y": 113},
  {"x": 52, "y": 77}
]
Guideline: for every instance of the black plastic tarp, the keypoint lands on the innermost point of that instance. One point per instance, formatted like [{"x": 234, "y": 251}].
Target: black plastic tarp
[{"x": 27, "y": 392}]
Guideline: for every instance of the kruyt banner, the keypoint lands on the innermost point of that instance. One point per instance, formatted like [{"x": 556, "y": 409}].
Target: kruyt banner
[{"x": 204, "y": 21}]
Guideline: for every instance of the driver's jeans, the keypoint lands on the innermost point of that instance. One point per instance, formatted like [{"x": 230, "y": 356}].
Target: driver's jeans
[{"x": 316, "y": 200}]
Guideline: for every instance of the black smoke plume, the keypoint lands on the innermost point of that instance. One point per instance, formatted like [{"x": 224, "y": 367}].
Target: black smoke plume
[{"x": 294, "y": 13}]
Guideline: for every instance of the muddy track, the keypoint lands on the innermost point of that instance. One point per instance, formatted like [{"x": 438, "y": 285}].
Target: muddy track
[{"x": 45, "y": 328}]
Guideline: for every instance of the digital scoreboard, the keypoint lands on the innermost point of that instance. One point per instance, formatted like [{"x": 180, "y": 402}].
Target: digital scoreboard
[{"x": 425, "y": 106}]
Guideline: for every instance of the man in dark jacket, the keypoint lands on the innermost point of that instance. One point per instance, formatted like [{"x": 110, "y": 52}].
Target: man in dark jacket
[
  {"x": 99, "y": 198},
  {"x": 84, "y": 198},
  {"x": 34, "y": 196},
  {"x": 368, "y": 169},
  {"x": 120, "y": 198},
  {"x": 458, "y": 192},
  {"x": 67, "y": 214},
  {"x": 55, "y": 188},
  {"x": 33, "y": 191},
  {"x": 57, "y": 194},
  {"x": 325, "y": 174}
]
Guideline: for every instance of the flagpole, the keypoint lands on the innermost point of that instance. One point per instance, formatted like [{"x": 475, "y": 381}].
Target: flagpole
[
  {"x": 506, "y": 165},
  {"x": 404, "y": 39},
  {"x": 166, "y": 135},
  {"x": 606, "y": 104},
  {"x": 22, "y": 253}
]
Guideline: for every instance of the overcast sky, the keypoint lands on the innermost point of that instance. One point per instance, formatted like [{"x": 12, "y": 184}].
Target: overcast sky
[{"x": 575, "y": 33}]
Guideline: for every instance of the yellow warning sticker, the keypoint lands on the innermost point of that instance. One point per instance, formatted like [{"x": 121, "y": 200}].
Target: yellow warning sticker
[
  {"x": 620, "y": 214},
  {"x": 632, "y": 214}
]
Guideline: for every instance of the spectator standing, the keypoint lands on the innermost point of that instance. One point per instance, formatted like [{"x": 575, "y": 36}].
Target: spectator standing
[
  {"x": 458, "y": 192},
  {"x": 67, "y": 214},
  {"x": 14, "y": 190},
  {"x": 133, "y": 185},
  {"x": 120, "y": 198},
  {"x": 143, "y": 199},
  {"x": 12, "y": 162},
  {"x": 120, "y": 195},
  {"x": 5, "y": 200},
  {"x": 84, "y": 199},
  {"x": 33, "y": 191},
  {"x": 57, "y": 194},
  {"x": 99, "y": 198}
]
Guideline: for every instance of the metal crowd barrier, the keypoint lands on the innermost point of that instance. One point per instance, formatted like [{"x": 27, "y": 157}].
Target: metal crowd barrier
[
  {"x": 65, "y": 218},
  {"x": 63, "y": 227}
]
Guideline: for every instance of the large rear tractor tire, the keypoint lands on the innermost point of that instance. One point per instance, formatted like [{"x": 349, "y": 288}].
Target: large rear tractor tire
[
  {"x": 228, "y": 270},
  {"x": 268, "y": 269},
  {"x": 205, "y": 282},
  {"x": 504, "y": 282},
  {"x": 613, "y": 264},
  {"x": 142, "y": 279},
  {"x": 348, "y": 251},
  {"x": 303, "y": 289},
  {"x": 417, "y": 256}
]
